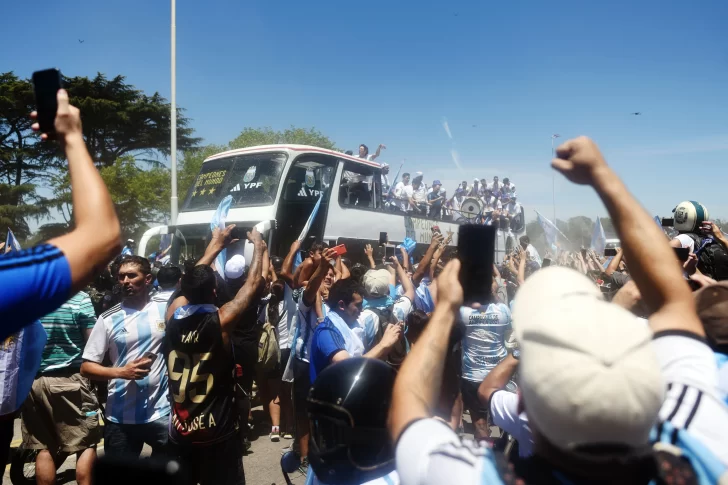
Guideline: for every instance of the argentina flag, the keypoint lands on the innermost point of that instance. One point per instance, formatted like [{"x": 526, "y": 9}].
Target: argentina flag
[{"x": 218, "y": 221}]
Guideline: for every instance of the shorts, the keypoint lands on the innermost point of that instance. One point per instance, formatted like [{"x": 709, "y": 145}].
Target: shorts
[
  {"x": 471, "y": 401},
  {"x": 61, "y": 414},
  {"x": 301, "y": 386},
  {"x": 220, "y": 463}
]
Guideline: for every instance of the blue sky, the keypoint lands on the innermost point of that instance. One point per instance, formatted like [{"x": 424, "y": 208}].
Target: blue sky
[{"x": 505, "y": 76}]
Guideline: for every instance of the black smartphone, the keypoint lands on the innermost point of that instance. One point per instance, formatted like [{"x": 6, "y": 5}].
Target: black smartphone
[
  {"x": 239, "y": 233},
  {"x": 46, "y": 85},
  {"x": 682, "y": 253},
  {"x": 476, "y": 251},
  {"x": 668, "y": 222},
  {"x": 150, "y": 471},
  {"x": 610, "y": 252},
  {"x": 546, "y": 263},
  {"x": 383, "y": 239}
]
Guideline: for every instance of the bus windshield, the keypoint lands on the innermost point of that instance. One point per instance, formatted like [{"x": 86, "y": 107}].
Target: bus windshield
[{"x": 252, "y": 180}]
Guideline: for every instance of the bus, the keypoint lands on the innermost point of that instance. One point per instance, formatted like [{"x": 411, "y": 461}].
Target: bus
[{"x": 282, "y": 184}]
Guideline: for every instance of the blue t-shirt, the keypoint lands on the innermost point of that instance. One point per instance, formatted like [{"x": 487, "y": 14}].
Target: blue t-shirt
[
  {"x": 325, "y": 343},
  {"x": 36, "y": 281}
]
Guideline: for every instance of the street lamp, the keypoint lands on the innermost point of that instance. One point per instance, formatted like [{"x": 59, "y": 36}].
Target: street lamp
[{"x": 173, "y": 115}]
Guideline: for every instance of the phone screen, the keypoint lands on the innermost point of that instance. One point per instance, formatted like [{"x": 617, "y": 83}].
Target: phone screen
[
  {"x": 610, "y": 252},
  {"x": 383, "y": 238},
  {"x": 46, "y": 85},
  {"x": 476, "y": 250},
  {"x": 239, "y": 233},
  {"x": 682, "y": 253}
]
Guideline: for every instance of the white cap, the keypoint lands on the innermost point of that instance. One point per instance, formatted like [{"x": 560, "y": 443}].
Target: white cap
[
  {"x": 376, "y": 283},
  {"x": 589, "y": 374},
  {"x": 235, "y": 267}
]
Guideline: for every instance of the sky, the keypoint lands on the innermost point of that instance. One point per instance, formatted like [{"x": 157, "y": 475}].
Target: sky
[{"x": 457, "y": 89}]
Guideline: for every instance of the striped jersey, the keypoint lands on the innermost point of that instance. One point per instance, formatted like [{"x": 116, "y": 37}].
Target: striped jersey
[
  {"x": 127, "y": 334},
  {"x": 65, "y": 328},
  {"x": 484, "y": 342}
]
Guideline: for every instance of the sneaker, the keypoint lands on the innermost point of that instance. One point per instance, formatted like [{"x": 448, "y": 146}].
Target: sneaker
[
  {"x": 275, "y": 434},
  {"x": 303, "y": 468},
  {"x": 287, "y": 436}
]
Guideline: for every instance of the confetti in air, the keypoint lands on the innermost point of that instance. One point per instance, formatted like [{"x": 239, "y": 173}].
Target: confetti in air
[{"x": 447, "y": 128}]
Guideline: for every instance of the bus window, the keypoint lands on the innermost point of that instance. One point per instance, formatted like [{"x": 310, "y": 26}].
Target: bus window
[
  {"x": 307, "y": 178},
  {"x": 360, "y": 187},
  {"x": 251, "y": 180}
]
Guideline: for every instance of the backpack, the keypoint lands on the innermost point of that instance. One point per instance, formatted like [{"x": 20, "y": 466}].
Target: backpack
[
  {"x": 712, "y": 257},
  {"x": 268, "y": 351},
  {"x": 399, "y": 351}
]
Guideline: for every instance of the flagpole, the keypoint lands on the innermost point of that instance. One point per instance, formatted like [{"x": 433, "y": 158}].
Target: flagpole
[{"x": 173, "y": 113}]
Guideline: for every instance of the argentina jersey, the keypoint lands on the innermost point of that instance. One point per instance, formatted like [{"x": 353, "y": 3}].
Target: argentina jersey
[
  {"x": 127, "y": 335},
  {"x": 484, "y": 341},
  {"x": 306, "y": 321}
]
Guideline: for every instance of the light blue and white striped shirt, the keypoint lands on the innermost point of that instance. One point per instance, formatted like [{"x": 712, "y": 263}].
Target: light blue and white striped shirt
[{"x": 128, "y": 334}]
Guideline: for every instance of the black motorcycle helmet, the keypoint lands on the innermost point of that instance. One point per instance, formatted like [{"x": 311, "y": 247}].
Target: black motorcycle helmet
[{"x": 347, "y": 410}]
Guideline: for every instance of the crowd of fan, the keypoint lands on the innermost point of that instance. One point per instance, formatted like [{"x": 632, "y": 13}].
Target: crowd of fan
[{"x": 370, "y": 366}]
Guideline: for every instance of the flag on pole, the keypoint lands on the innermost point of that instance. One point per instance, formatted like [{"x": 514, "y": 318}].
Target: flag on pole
[
  {"x": 307, "y": 227},
  {"x": 598, "y": 240},
  {"x": 218, "y": 221},
  {"x": 20, "y": 356},
  {"x": 555, "y": 135},
  {"x": 550, "y": 230},
  {"x": 11, "y": 244}
]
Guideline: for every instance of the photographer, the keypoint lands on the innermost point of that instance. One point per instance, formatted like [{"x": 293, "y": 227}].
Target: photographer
[
  {"x": 703, "y": 238},
  {"x": 38, "y": 280}
]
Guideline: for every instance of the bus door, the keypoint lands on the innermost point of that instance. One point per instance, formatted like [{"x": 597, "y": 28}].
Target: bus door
[{"x": 309, "y": 176}]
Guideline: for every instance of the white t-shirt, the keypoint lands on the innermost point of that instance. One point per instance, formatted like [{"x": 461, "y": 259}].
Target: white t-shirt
[
  {"x": 686, "y": 242},
  {"x": 513, "y": 208},
  {"x": 403, "y": 192},
  {"x": 505, "y": 415},
  {"x": 492, "y": 203},
  {"x": 693, "y": 402},
  {"x": 419, "y": 194},
  {"x": 128, "y": 334},
  {"x": 533, "y": 254}
]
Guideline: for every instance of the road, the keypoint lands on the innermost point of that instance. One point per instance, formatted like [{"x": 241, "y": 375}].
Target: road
[{"x": 262, "y": 463}]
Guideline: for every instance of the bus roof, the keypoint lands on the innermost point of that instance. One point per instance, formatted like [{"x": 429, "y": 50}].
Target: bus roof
[{"x": 292, "y": 148}]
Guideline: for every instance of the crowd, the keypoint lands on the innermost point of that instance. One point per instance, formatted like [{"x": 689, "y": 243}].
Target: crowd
[{"x": 576, "y": 369}]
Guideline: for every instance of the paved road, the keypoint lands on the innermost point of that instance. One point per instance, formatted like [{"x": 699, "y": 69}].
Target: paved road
[{"x": 262, "y": 464}]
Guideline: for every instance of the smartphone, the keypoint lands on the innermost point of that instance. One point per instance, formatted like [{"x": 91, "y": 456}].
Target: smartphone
[
  {"x": 668, "y": 222},
  {"x": 150, "y": 471},
  {"x": 610, "y": 252},
  {"x": 239, "y": 233},
  {"x": 46, "y": 85},
  {"x": 340, "y": 249},
  {"x": 383, "y": 238},
  {"x": 149, "y": 355},
  {"x": 436, "y": 229},
  {"x": 476, "y": 251},
  {"x": 546, "y": 263},
  {"x": 682, "y": 253}
]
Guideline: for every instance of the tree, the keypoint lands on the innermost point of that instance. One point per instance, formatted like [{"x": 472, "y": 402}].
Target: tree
[
  {"x": 120, "y": 120},
  {"x": 23, "y": 160},
  {"x": 193, "y": 158},
  {"x": 579, "y": 230}
]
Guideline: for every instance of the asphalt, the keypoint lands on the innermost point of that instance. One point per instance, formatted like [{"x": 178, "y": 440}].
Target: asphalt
[{"x": 262, "y": 463}]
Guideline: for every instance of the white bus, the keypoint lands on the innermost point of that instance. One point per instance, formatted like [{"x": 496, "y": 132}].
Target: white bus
[{"x": 282, "y": 183}]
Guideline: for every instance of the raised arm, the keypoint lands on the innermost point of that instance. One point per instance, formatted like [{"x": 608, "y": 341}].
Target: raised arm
[
  {"x": 497, "y": 379},
  {"x": 409, "y": 288},
  {"x": 652, "y": 262},
  {"x": 425, "y": 261},
  {"x": 287, "y": 266},
  {"x": 522, "y": 268},
  {"x": 231, "y": 311},
  {"x": 96, "y": 238},
  {"x": 219, "y": 241},
  {"x": 417, "y": 388},
  {"x": 405, "y": 258},
  {"x": 322, "y": 267},
  {"x": 369, "y": 251},
  {"x": 378, "y": 152}
]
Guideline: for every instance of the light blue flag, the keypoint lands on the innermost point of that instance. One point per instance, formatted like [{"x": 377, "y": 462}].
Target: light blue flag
[
  {"x": 218, "y": 221},
  {"x": 598, "y": 240},
  {"x": 311, "y": 218},
  {"x": 11, "y": 244},
  {"x": 658, "y": 222},
  {"x": 550, "y": 230},
  {"x": 20, "y": 356}
]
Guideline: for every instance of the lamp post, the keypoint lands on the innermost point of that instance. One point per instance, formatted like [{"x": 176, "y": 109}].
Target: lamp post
[{"x": 173, "y": 115}]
